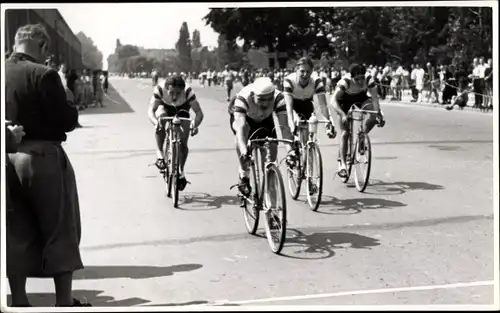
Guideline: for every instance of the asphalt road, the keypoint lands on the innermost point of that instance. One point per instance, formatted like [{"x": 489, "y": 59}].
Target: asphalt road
[{"x": 424, "y": 226}]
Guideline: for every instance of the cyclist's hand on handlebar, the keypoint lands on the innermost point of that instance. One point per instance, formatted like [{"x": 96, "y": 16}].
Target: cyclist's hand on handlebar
[
  {"x": 345, "y": 119},
  {"x": 330, "y": 130},
  {"x": 380, "y": 119},
  {"x": 157, "y": 125},
  {"x": 194, "y": 131},
  {"x": 245, "y": 157}
]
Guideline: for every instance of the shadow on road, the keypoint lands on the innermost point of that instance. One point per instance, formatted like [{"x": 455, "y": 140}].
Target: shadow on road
[
  {"x": 94, "y": 297},
  {"x": 355, "y": 206},
  {"x": 321, "y": 245},
  {"x": 200, "y": 201},
  {"x": 446, "y": 148},
  {"x": 113, "y": 104},
  {"x": 133, "y": 272},
  {"x": 390, "y": 188},
  {"x": 195, "y": 302}
]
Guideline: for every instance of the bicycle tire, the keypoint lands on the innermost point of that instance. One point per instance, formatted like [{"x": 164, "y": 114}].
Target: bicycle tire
[
  {"x": 361, "y": 186},
  {"x": 274, "y": 175},
  {"x": 170, "y": 158},
  {"x": 314, "y": 154},
  {"x": 295, "y": 179},
  {"x": 252, "y": 218},
  {"x": 175, "y": 175},
  {"x": 166, "y": 172}
]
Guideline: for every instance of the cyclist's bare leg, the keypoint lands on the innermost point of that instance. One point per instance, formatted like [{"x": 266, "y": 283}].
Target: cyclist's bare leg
[
  {"x": 371, "y": 120},
  {"x": 160, "y": 135},
  {"x": 344, "y": 135},
  {"x": 184, "y": 149}
]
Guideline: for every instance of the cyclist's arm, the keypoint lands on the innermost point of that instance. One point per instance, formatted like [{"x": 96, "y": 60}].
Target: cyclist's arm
[
  {"x": 195, "y": 105},
  {"x": 320, "y": 91},
  {"x": 239, "y": 126},
  {"x": 280, "y": 109},
  {"x": 335, "y": 101},
  {"x": 154, "y": 103},
  {"x": 288, "y": 98},
  {"x": 372, "y": 90}
]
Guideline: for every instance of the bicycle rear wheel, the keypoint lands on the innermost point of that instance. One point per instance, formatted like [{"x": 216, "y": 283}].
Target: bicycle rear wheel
[
  {"x": 362, "y": 158},
  {"x": 314, "y": 183},
  {"x": 251, "y": 211},
  {"x": 275, "y": 208}
]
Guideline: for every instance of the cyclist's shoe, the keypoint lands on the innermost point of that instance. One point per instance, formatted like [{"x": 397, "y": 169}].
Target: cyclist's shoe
[
  {"x": 244, "y": 186},
  {"x": 181, "y": 183},
  {"x": 330, "y": 131},
  {"x": 160, "y": 164},
  {"x": 343, "y": 172},
  {"x": 291, "y": 159}
]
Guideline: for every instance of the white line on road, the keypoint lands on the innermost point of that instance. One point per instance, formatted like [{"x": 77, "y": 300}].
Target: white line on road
[{"x": 360, "y": 292}]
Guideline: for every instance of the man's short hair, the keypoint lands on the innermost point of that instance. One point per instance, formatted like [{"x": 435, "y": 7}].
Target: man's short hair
[{"x": 31, "y": 32}]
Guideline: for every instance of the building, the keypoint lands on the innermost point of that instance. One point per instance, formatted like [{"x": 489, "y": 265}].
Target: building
[{"x": 64, "y": 44}]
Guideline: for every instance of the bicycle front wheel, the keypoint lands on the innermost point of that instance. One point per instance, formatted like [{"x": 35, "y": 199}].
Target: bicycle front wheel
[
  {"x": 274, "y": 208},
  {"x": 251, "y": 211},
  {"x": 314, "y": 183},
  {"x": 294, "y": 176},
  {"x": 362, "y": 161},
  {"x": 175, "y": 175}
]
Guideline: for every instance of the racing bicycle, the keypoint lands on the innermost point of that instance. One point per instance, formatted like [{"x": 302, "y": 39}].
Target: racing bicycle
[
  {"x": 310, "y": 164},
  {"x": 171, "y": 148},
  {"x": 359, "y": 151},
  {"x": 267, "y": 193}
]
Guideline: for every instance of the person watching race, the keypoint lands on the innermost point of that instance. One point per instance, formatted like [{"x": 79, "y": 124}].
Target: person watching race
[
  {"x": 298, "y": 90},
  {"x": 251, "y": 114},
  {"x": 352, "y": 89},
  {"x": 171, "y": 97},
  {"x": 229, "y": 79}
]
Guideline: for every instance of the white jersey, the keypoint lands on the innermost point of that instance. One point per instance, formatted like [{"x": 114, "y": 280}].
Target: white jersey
[
  {"x": 292, "y": 86},
  {"x": 161, "y": 93},
  {"x": 244, "y": 103}
]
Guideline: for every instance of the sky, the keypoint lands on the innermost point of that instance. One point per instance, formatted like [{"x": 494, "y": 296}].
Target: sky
[{"x": 150, "y": 25}]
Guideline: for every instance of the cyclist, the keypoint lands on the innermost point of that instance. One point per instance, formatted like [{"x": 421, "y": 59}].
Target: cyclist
[
  {"x": 252, "y": 110},
  {"x": 168, "y": 98},
  {"x": 299, "y": 89},
  {"x": 155, "y": 76},
  {"x": 352, "y": 89}
]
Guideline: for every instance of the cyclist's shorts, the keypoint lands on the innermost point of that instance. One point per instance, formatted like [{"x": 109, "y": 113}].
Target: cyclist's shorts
[
  {"x": 170, "y": 110},
  {"x": 303, "y": 108},
  {"x": 348, "y": 100},
  {"x": 229, "y": 84}
]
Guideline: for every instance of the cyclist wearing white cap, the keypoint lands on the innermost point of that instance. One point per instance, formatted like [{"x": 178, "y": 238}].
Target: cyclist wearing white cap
[{"x": 251, "y": 114}]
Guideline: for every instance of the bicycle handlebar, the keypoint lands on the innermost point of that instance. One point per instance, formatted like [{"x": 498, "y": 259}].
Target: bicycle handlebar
[
  {"x": 170, "y": 118},
  {"x": 270, "y": 139}
]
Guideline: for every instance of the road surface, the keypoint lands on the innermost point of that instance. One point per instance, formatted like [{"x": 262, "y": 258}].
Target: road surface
[{"x": 421, "y": 234}]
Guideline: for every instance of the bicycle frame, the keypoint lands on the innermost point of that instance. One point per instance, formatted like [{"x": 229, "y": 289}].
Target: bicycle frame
[
  {"x": 361, "y": 130},
  {"x": 312, "y": 126}
]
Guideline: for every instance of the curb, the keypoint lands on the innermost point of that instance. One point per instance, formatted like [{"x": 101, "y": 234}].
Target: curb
[{"x": 437, "y": 106}]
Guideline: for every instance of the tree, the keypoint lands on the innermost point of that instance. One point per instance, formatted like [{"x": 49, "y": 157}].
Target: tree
[
  {"x": 183, "y": 47},
  {"x": 91, "y": 56},
  {"x": 278, "y": 29},
  {"x": 228, "y": 53},
  {"x": 196, "y": 40}
]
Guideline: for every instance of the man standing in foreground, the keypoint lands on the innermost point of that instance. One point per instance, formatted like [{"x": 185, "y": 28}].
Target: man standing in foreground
[{"x": 43, "y": 214}]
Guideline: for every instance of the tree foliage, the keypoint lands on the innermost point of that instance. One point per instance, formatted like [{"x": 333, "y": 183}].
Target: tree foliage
[
  {"x": 91, "y": 56},
  {"x": 183, "y": 47},
  {"x": 196, "y": 40},
  {"x": 373, "y": 35}
]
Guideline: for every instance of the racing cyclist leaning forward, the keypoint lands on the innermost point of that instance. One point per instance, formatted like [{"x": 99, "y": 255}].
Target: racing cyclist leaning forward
[
  {"x": 251, "y": 114},
  {"x": 298, "y": 90},
  {"x": 168, "y": 98},
  {"x": 352, "y": 89}
]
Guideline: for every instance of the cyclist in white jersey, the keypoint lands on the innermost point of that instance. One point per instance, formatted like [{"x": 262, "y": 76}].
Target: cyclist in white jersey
[
  {"x": 169, "y": 97},
  {"x": 298, "y": 90},
  {"x": 352, "y": 89},
  {"x": 251, "y": 114}
]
